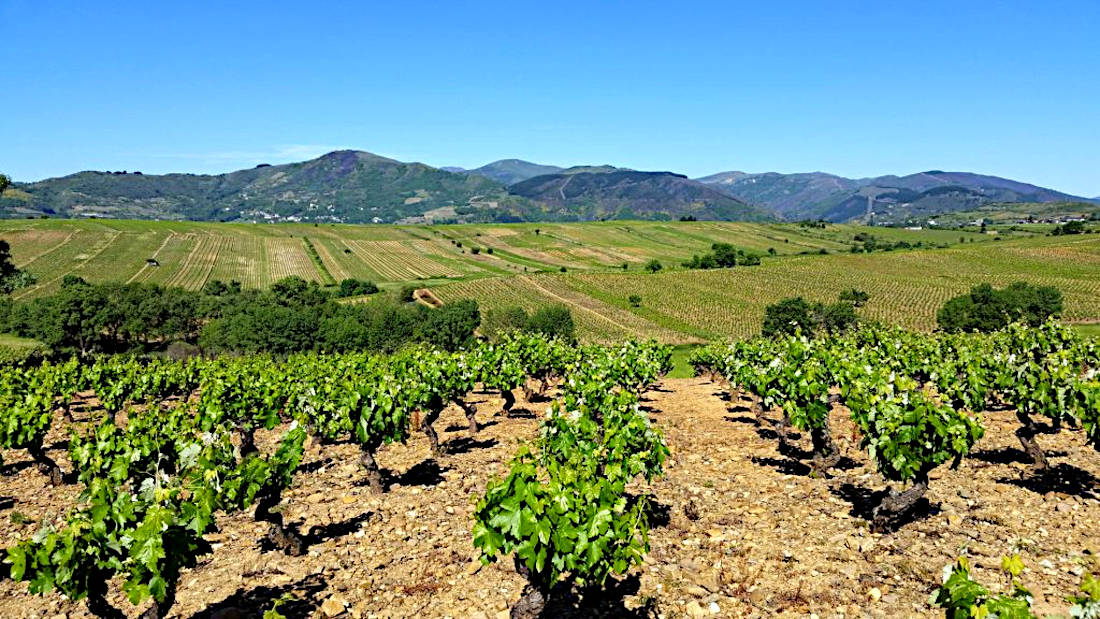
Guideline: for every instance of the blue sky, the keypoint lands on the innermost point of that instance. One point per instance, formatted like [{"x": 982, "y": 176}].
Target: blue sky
[{"x": 859, "y": 88}]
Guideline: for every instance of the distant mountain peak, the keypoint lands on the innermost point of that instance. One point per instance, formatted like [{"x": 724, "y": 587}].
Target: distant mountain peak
[
  {"x": 346, "y": 155},
  {"x": 511, "y": 171}
]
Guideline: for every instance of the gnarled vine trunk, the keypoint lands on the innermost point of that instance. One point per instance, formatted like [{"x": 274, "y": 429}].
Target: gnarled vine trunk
[
  {"x": 248, "y": 439},
  {"x": 1026, "y": 433},
  {"x": 530, "y": 605},
  {"x": 535, "y": 595},
  {"x": 282, "y": 536},
  {"x": 896, "y": 504},
  {"x": 429, "y": 431},
  {"x": 374, "y": 474},
  {"x": 783, "y": 429},
  {"x": 826, "y": 453},
  {"x": 46, "y": 465},
  {"x": 471, "y": 413},
  {"x": 509, "y": 400}
]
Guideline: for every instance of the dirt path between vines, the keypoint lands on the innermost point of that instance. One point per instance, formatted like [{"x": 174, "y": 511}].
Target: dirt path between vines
[{"x": 739, "y": 529}]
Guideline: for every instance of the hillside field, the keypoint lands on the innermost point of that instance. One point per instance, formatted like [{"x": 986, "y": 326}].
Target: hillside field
[{"x": 525, "y": 266}]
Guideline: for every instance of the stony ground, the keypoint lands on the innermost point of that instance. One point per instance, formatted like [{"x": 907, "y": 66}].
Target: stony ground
[{"x": 740, "y": 529}]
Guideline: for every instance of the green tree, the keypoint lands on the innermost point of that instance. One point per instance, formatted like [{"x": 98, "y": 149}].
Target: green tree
[
  {"x": 653, "y": 265},
  {"x": 725, "y": 256},
  {"x": 11, "y": 277},
  {"x": 789, "y": 315},
  {"x": 986, "y": 309},
  {"x": 451, "y": 326},
  {"x": 355, "y": 287},
  {"x": 838, "y": 317},
  {"x": 553, "y": 321}
]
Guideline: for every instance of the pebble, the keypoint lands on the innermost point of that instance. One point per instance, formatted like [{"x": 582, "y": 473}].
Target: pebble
[
  {"x": 333, "y": 606},
  {"x": 874, "y": 594}
]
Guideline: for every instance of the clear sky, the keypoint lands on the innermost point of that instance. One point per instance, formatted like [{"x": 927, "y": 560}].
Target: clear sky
[{"x": 853, "y": 88}]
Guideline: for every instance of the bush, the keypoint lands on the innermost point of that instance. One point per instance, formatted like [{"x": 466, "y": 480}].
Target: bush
[
  {"x": 795, "y": 314},
  {"x": 986, "y": 309},
  {"x": 553, "y": 321},
  {"x": 855, "y": 296},
  {"x": 838, "y": 317},
  {"x": 451, "y": 326},
  {"x": 653, "y": 265},
  {"x": 355, "y": 287},
  {"x": 789, "y": 315},
  {"x": 1073, "y": 227},
  {"x": 635, "y": 300},
  {"x": 501, "y": 320}
]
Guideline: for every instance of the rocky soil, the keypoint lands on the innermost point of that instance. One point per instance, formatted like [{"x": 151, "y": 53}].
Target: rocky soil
[{"x": 740, "y": 530}]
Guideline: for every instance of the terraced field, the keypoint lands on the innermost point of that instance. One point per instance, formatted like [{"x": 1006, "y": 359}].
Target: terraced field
[{"x": 526, "y": 260}]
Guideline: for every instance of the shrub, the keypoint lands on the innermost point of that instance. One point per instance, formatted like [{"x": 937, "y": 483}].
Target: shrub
[
  {"x": 502, "y": 320},
  {"x": 553, "y": 321},
  {"x": 451, "y": 326},
  {"x": 789, "y": 315},
  {"x": 795, "y": 314},
  {"x": 653, "y": 265},
  {"x": 356, "y": 287},
  {"x": 635, "y": 300},
  {"x": 987, "y": 309},
  {"x": 838, "y": 317},
  {"x": 855, "y": 296}
]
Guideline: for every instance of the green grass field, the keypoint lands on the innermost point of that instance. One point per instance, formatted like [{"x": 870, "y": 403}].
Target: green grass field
[{"x": 524, "y": 267}]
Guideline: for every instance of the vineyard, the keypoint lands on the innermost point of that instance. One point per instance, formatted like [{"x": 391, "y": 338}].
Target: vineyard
[
  {"x": 906, "y": 288},
  {"x": 834, "y": 476},
  {"x": 190, "y": 254},
  {"x": 520, "y": 265}
]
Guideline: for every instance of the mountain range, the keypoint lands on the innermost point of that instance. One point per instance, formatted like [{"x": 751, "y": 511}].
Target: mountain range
[
  {"x": 359, "y": 187},
  {"x": 893, "y": 199}
]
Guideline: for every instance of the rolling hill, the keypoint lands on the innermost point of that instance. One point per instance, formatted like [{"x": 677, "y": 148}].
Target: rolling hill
[
  {"x": 612, "y": 193},
  {"x": 341, "y": 186},
  {"x": 895, "y": 199}
]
